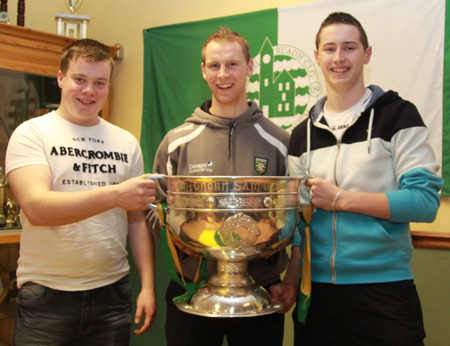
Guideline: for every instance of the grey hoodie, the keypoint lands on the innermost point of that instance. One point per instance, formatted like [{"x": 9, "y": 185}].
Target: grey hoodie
[{"x": 205, "y": 145}]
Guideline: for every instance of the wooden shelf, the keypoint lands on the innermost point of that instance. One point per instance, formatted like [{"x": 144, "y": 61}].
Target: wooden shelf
[
  {"x": 9, "y": 236},
  {"x": 33, "y": 51},
  {"x": 438, "y": 240},
  {"x": 9, "y": 254}
]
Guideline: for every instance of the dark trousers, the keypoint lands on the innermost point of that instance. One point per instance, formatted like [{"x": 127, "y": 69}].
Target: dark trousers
[
  {"x": 100, "y": 317},
  {"x": 183, "y": 329},
  {"x": 381, "y": 314}
]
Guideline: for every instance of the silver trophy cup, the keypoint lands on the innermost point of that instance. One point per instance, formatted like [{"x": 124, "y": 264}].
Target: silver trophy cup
[
  {"x": 73, "y": 5},
  {"x": 232, "y": 220}
]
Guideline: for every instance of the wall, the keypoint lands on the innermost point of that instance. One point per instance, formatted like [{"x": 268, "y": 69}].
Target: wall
[
  {"x": 114, "y": 21},
  {"x": 431, "y": 268},
  {"x": 124, "y": 25}
]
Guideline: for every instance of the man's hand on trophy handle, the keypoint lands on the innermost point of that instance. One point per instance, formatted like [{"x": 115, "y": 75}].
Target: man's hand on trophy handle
[{"x": 285, "y": 294}]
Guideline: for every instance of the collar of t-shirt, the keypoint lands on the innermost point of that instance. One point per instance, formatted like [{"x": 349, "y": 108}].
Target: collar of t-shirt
[{"x": 339, "y": 122}]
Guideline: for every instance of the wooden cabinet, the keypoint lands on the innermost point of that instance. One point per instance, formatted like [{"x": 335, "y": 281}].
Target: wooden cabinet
[
  {"x": 9, "y": 254},
  {"x": 34, "y": 53}
]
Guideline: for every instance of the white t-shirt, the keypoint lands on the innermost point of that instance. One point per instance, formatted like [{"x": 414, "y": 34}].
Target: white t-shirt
[
  {"x": 90, "y": 253},
  {"x": 339, "y": 122}
]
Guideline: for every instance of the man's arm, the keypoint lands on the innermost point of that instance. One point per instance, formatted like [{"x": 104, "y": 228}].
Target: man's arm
[
  {"x": 417, "y": 200},
  {"x": 372, "y": 204},
  {"x": 287, "y": 291},
  {"x": 323, "y": 194},
  {"x": 160, "y": 167},
  {"x": 143, "y": 249},
  {"x": 32, "y": 186}
]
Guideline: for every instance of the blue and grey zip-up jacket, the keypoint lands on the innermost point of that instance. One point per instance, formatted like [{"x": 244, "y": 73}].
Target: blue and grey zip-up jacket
[{"x": 385, "y": 149}]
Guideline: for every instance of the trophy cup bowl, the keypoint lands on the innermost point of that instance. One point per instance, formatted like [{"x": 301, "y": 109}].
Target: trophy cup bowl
[{"x": 232, "y": 220}]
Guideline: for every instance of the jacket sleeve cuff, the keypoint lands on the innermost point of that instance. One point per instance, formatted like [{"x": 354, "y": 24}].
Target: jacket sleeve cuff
[{"x": 418, "y": 199}]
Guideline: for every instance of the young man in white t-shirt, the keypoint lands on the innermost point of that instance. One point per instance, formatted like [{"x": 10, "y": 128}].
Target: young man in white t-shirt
[{"x": 80, "y": 184}]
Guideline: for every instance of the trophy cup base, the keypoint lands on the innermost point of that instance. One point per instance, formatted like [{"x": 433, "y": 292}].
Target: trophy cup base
[{"x": 215, "y": 301}]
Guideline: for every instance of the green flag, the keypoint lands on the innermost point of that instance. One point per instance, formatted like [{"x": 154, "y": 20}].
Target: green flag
[{"x": 408, "y": 57}]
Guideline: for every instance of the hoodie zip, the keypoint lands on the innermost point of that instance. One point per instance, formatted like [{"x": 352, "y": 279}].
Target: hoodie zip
[
  {"x": 338, "y": 145},
  {"x": 333, "y": 255},
  {"x": 308, "y": 160},
  {"x": 230, "y": 134},
  {"x": 311, "y": 122}
]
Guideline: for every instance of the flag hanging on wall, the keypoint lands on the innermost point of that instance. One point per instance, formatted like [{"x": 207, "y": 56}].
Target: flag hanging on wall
[{"x": 407, "y": 38}]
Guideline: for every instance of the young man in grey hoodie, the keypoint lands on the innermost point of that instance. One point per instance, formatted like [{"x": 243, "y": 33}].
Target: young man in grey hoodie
[{"x": 231, "y": 137}]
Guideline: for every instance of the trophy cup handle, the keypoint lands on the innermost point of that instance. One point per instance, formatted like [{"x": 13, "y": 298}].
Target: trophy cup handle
[{"x": 155, "y": 176}]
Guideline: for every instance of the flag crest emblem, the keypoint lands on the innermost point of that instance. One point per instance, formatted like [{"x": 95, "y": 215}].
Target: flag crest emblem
[
  {"x": 261, "y": 165},
  {"x": 284, "y": 83}
]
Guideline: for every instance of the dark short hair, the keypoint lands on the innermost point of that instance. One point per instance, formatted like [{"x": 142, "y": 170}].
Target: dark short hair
[
  {"x": 343, "y": 18},
  {"x": 223, "y": 34},
  {"x": 88, "y": 49}
]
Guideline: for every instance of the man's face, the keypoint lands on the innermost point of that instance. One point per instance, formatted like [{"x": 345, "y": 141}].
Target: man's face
[
  {"x": 226, "y": 70},
  {"x": 341, "y": 56},
  {"x": 84, "y": 90}
]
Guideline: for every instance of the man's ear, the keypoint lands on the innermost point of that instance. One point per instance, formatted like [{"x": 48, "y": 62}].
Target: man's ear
[
  {"x": 59, "y": 78},
  {"x": 250, "y": 66},
  {"x": 203, "y": 70},
  {"x": 368, "y": 55},
  {"x": 316, "y": 56}
]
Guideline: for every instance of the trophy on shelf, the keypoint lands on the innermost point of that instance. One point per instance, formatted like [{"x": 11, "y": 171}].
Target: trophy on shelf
[
  {"x": 73, "y": 5},
  {"x": 72, "y": 25},
  {"x": 12, "y": 214},
  {"x": 9, "y": 208},
  {"x": 232, "y": 220}
]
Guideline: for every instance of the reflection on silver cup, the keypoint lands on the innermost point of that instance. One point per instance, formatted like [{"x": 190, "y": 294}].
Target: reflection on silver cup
[{"x": 232, "y": 220}]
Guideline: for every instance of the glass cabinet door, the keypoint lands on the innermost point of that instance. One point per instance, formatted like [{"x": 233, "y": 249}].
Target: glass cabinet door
[{"x": 22, "y": 96}]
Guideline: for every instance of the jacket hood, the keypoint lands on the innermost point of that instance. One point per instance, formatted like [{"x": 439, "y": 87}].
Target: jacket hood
[
  {"x": 201, "y": 115},
  {"x": 379, "y": 98}
]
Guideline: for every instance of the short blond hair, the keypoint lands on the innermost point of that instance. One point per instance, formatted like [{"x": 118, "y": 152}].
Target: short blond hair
[{"x": 223, "y": 34}]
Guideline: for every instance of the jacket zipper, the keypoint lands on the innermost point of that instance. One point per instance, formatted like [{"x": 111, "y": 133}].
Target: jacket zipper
[
  {"x": 333, "y": 256},
  {"x": 230, "y": 134}
]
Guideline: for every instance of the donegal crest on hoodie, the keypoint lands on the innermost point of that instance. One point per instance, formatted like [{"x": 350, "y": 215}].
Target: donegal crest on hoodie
[{"x": 261, "y": 165}]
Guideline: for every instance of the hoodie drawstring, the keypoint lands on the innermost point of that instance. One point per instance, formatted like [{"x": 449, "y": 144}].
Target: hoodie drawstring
[
  {"x": 308, "y": 147},
  {"x": 230, "y": 134},
  {"x": 369, "y": 131}
]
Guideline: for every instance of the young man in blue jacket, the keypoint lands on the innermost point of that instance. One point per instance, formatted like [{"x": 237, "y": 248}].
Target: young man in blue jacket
[{"x": 373, "y": 172}]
